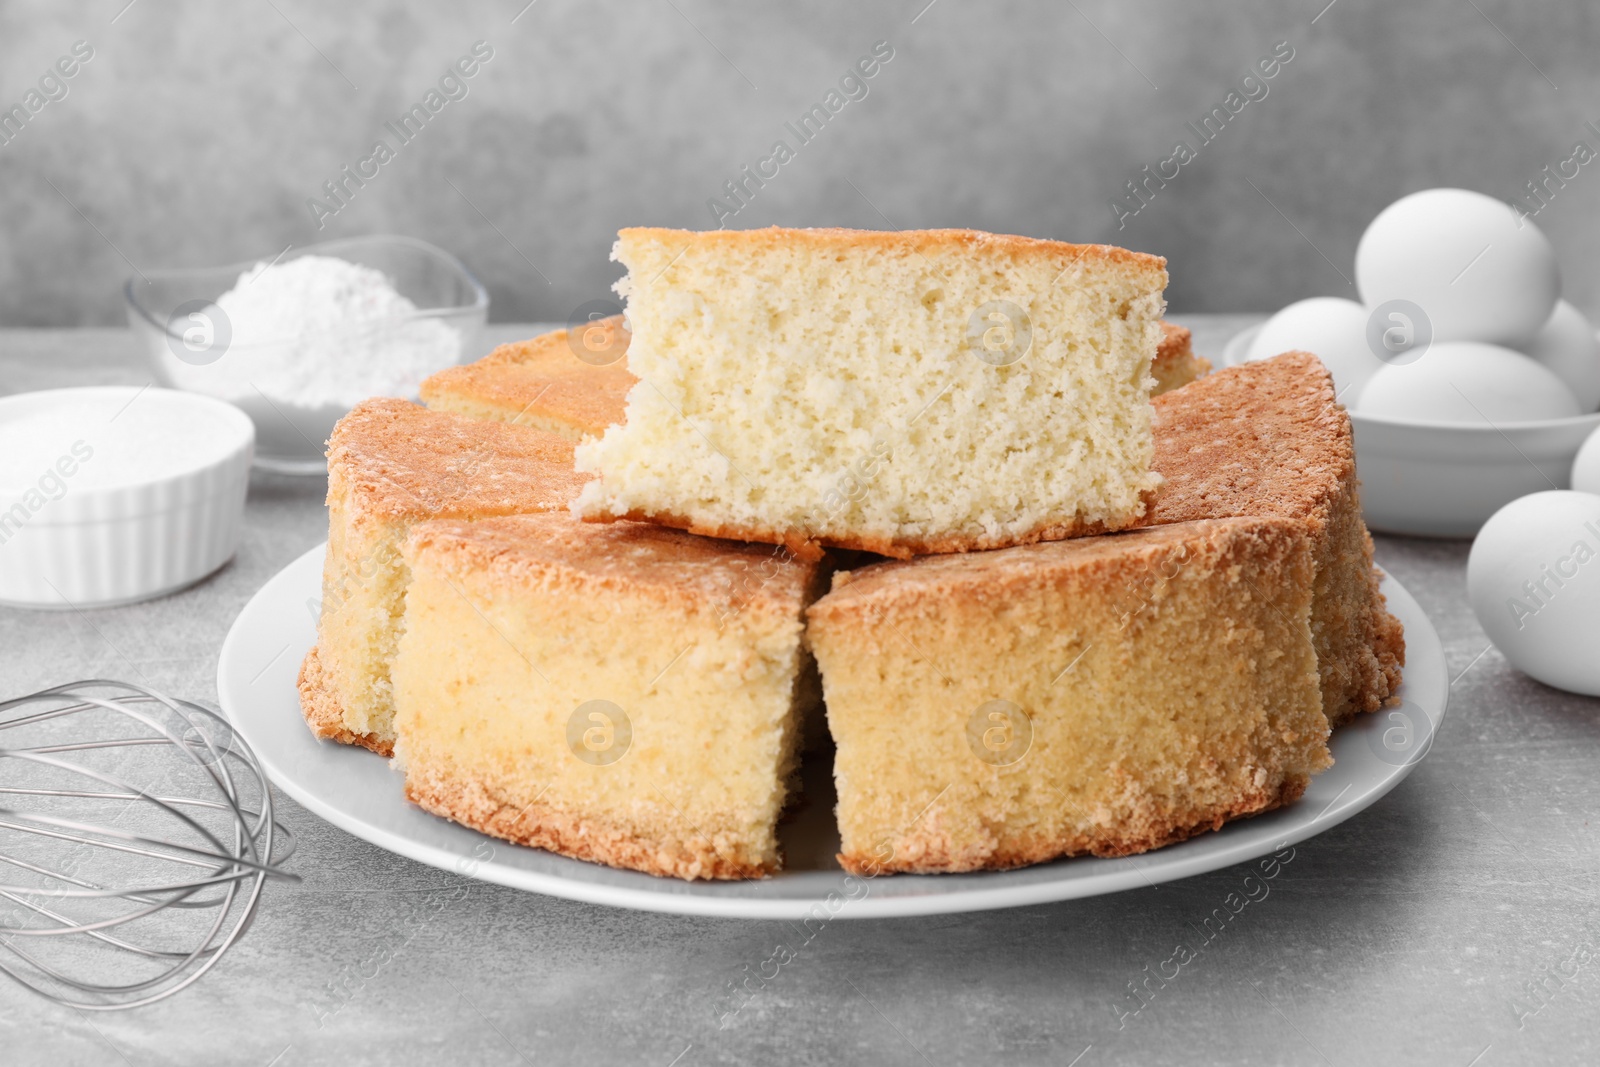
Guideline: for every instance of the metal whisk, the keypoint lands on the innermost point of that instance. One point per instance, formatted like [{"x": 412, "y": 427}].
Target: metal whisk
[{"x": 136, "y": 833}]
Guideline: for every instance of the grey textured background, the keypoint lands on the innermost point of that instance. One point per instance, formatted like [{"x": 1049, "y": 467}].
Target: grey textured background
[{"x": 198, "y": 131}]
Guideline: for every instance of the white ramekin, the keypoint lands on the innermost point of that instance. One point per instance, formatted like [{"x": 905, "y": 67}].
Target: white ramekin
[{"x": 161, "y": 511}]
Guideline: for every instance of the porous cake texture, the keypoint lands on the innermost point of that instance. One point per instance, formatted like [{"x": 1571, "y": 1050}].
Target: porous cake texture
[
  {"x": 627, "y": 694},
  {"x": 564, "y": 382},
  {"x": 544, "y": 381},
  {"x": 1102, "y": 695},
  {"x": 902, "y": 393},
  {"x": 1269, "y": 439},
  {"x": 390, "y": 464},
  {"x": 1175, "y": 364}
]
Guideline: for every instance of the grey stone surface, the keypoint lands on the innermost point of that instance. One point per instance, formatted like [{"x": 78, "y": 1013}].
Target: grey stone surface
[
  {"x": 1407, "y": 935},
  {"x": 198, "y": 131}
]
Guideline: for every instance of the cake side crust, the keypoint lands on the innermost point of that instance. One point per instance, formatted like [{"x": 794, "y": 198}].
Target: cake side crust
[
  {"x": 319, "y": 703},
  {"x": 468, "y": 801},
  {"x": 930, "y": 851},
  {"x": 1270, "y": 438},
  {"x": 1389, "y": 640}
]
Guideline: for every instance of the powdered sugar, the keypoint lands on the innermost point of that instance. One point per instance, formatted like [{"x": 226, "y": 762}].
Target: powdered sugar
[{"x": 316, "y": 331}]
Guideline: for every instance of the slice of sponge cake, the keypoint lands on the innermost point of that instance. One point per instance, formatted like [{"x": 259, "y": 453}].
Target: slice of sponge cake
[
  {"x": 902, "y": 393},
  {"x": 626, "y": 694},
  {"x": 390, "y": 464},
  {"x": 567, "y": 384},
  {"x": 1101, "y": 695},
  {"x": 1269, "y": 439}
]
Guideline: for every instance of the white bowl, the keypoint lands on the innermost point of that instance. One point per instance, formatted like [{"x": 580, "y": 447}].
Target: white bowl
[
  {"x": 111, "y": 494},
  {"x": 1446, "y": 479}
]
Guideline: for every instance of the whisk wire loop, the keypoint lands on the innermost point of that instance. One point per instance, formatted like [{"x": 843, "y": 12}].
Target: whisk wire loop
[{"x": 138, "y": 833}]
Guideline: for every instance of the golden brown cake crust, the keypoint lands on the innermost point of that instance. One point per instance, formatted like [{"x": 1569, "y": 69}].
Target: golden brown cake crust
[
  {"x": 566, "y": 833},
  {"x": 903, "y": 240},
  {"x": 1175, "y": 341},
  {"x": 533, "y": 551},
  {"x": 396, "y": 460},
  {"x": 540, "y": 381},
  {"x": 1105, "y": 560},
  {"x": 1265, "y": 438},
  {"x": 1388, "y": 644},
  {"x": 319, "y": 703},
  {"x": 930, "y": 851},
  {"x": 811, "y": 550},
  {"x": 1270, "y": 438},
  {"x": 1175, "y": 364}
]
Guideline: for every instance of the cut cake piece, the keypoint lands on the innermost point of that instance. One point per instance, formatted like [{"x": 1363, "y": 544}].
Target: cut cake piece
[
  {"x": 390, "y": 464},
  {"x": 543, "y": 382},
  {"x": 901, "y": 393},
  {"x": 1270, "y": 439},
  {"x": 1102, "y": 695},
  {"x": 1175, "y": 364},
  {"x": 626, "y": 694}
]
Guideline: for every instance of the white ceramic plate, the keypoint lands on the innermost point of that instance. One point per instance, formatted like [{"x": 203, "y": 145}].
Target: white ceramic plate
[
  {"x": 356, "y": 790},
  {"x": 1446, "y": 479}
]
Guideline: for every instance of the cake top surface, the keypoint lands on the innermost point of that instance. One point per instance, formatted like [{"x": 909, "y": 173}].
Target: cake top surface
[
  {"x": 532, "y": 551},
  {"x": 1105, "y": 561},
  {"x": 966, "y": 241},
  {"x": 1264, "y": 438},
  {"x": 543, "y": 377},
  {"x": 401, "y": 461}
]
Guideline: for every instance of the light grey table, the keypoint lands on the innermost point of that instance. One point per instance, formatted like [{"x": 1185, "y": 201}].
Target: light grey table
[{"x": 1414, "y": 933}]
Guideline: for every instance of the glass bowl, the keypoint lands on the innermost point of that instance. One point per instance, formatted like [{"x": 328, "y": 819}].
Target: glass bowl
[{"x": 189, "y": 341}]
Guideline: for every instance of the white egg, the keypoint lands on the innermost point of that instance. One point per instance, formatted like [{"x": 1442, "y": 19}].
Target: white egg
[
  {"x": 1586, "y": 468},
  {"x": 1477, "y": 271},
  {"x": 1567, "y": 345},
  {"x": 1335, "y": 330},
  {"x": 1467, "y": 382},
  {"x": 1534, "y": 581}
]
